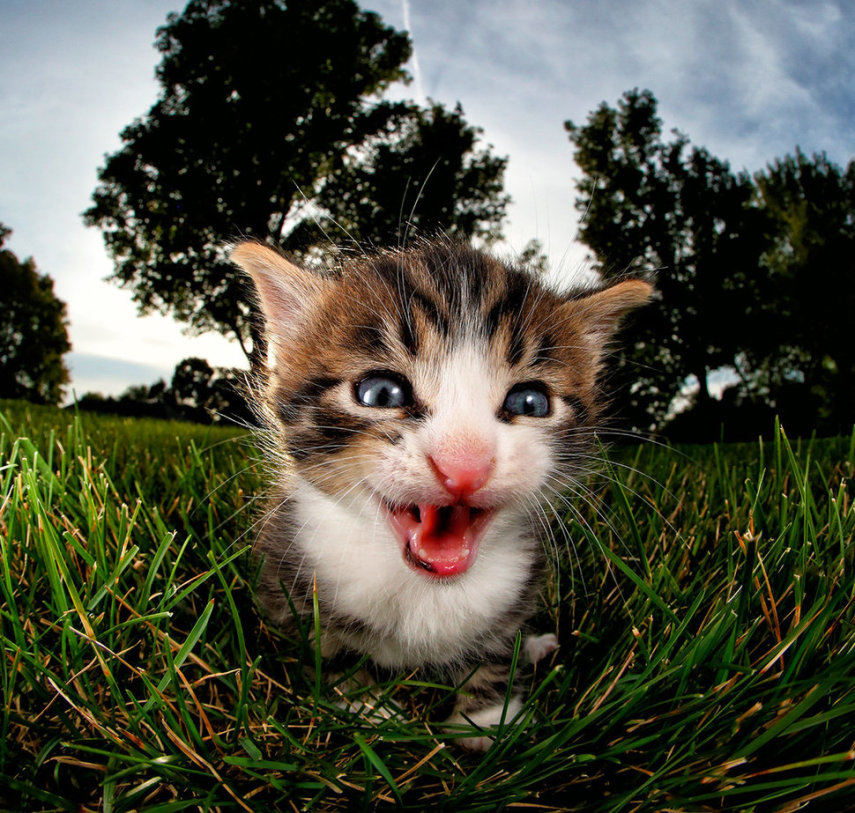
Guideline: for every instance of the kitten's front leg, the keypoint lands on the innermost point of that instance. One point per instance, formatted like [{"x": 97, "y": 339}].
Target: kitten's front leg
[
  {"x": 481, "y": 703},
  {"x": 537, "y": 647}
]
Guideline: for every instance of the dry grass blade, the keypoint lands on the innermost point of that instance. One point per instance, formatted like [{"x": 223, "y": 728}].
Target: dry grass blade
[{"x": 702, "y": 666}]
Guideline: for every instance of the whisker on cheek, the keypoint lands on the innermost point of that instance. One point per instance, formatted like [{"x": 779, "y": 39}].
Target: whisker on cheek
[{"x": 430, "y": 418}]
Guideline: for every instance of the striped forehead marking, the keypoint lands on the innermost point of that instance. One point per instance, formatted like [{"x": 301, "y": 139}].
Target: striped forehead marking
[{"x": 452, "y": 293}]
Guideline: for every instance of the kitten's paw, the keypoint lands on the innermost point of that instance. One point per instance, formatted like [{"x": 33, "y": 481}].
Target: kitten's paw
[
  {"x": 359, "y": 695},
  {"x": 537, "y": 647},
  {"x": 483, "y": 719}
]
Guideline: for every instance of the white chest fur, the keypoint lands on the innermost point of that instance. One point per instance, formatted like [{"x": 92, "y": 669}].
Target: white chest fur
[{"x": 413, "y": 618}]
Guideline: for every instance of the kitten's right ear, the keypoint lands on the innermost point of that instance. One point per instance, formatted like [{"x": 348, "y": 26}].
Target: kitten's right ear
[
  {"x": 286, "y": 292},
  {"x": 598, "y": 312}
]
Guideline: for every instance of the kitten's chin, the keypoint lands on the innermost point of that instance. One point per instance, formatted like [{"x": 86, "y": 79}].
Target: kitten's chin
[{"x": 439, "y": 541}]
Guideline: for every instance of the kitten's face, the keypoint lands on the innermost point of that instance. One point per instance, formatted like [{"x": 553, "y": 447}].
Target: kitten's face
[{"x": 438, "y": 388}]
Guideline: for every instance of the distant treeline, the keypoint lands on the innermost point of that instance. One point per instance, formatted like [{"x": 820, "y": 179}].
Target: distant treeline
[
  {"x": 197, "y": 392},
  {"x": 299, "y": 148},
  {"x": 755, "y": 277}
]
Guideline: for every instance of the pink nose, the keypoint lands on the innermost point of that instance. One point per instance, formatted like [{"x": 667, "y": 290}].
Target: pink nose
[{"x": 462, "y": 476}]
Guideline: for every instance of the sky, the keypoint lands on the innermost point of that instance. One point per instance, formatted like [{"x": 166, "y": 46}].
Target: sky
[{"x": 748, "y": 80}]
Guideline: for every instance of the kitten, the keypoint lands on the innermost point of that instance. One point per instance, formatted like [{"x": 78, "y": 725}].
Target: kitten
[{"x": 427, "y": 402}]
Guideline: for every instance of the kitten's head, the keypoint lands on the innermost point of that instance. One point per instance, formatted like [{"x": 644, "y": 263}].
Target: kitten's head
[{"x": 437, "y": 384}]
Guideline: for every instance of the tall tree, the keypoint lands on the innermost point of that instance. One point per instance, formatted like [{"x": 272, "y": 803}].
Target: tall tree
[
  {"x": 33, "y": 332},
  {"x": 426, "y": 173},
  {"x": 264, "y": 104},
  {"x": 808, "y": 353},
  {"x": 254, "y": 99},
  {"x": 679, "y": 213}
]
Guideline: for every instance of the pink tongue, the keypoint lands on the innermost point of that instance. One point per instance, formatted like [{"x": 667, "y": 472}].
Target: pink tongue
[{"x": 442, "y": 538}]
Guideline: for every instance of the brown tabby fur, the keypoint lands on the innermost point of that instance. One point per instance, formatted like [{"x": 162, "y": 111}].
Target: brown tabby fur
[{"x": 405, "y": 312}]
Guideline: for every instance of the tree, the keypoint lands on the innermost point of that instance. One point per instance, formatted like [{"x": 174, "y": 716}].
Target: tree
[
  {"x": 424, "y": 174},
  {"x": 680, "y": 214},
  {"x": 806, "y": 365},
  {"x": 197, "y": 392},
  {"x": 33, "y": 332},
  {"x": 208, "y": 394},
  {"x": 533, "y": 257},
  {"x": 265, "y": 106}
]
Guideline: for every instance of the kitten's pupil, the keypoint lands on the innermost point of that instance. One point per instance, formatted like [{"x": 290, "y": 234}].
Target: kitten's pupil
[
  {"x": 383, "y": 391},
  {"x": 527, "y": 399}
]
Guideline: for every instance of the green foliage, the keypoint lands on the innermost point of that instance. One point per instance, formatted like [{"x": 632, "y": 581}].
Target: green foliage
[
  {"x": 660, "y": 208},
  {"x": 33, "y": 332},
  {"x": 217, "y": 393},
  {"x": 197, "y": 392},
  {"x": 533, "y": 257},
  {"x": 804, "y": 352},
  {"x": 266, "y": 108},
  {"x": 255, "y": 97},
  {"x": 755, "y": 275},
  {"x": 423, "y": 175},
  {"x": 707, "y": 654}
]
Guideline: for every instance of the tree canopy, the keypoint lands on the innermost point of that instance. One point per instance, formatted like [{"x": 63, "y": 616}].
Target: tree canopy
[
  {"x": 756, "y": 275},
  {"x": 33, "y": 332},
  {"x": 804, "y": 357},
  {"x": 675, "y": 212},
  {"x": 267, "y": 111},
  {"x": 426, "y": 172}
]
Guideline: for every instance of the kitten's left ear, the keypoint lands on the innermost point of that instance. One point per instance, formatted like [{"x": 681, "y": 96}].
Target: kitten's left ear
[
  {"x": 286, "y": 292},
  {"x": 597, "y": 314}
]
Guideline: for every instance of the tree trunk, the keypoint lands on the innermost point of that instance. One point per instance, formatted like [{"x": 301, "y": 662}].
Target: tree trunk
[{"x": 703, "y": 398}]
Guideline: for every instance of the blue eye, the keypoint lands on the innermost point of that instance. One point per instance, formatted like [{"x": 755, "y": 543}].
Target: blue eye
[
  {"x": 383, "y": 390},
  {"x": 528, "y": 399}
]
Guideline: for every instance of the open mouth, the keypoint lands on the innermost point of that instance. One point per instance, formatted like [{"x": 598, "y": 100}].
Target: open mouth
[{"x": 440, "y": 540}]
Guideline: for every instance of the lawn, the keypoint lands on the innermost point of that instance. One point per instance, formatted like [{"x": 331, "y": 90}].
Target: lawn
[{"x": 704, "y": 607}]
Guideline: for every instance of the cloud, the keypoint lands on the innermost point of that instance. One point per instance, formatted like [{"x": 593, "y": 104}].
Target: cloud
[
  {"x": 749, "y": 80},
  {"x": 414, "y": 58},
  {"x": 109, "y": 375}
]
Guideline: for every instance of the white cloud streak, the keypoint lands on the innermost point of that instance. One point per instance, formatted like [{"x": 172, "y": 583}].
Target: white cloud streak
[
  {"x": 749, "y": 80},
  {"x": 414, "y": 58}
]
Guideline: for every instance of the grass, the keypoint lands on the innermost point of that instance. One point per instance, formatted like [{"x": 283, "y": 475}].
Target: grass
[{"x": 707, "y": 655}]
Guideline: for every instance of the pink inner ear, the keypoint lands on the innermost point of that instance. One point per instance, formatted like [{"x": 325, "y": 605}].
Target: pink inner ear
[
  {"x": 285, "y": 291},
  {"x": 600, "y": 312},
  {"x": 278, "y": 302}
]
